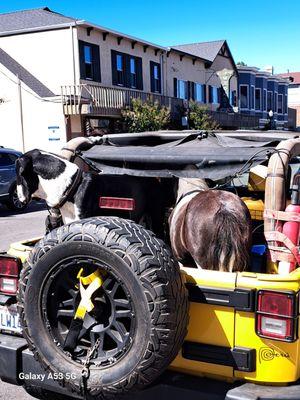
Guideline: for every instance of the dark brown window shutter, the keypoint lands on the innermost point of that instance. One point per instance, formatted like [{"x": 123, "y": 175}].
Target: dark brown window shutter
[
  {"x": 175, "y": 87},
  {"x": 159, "y": 75},
  {"x": 192, "y": 91},
  {"x": 126, "y": 58},
  {"x": 139, "y": 73},
  {"x": 96, "y": 63},
  {"x": 219, "y": 95},
  {"x": 209, "y": 94},
  {"x": 81, "y": 60},
  {"x": 114, "y": 67}
]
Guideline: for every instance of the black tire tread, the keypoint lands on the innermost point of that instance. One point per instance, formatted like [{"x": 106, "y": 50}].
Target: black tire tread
[{"x": 161, "y": 280}]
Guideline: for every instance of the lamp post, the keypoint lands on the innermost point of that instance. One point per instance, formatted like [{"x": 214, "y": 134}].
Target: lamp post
[{"x": 271, "y": 116}]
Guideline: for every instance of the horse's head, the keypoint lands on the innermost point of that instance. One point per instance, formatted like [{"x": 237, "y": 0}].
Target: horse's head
[{"x": 42, "y": 175}]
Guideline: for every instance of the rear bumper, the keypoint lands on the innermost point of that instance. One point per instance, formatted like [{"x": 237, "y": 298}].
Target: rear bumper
[{"x": 16, "y": 361}]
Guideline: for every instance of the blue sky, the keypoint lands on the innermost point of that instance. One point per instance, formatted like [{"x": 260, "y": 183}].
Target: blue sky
[{"x": 259, "y": 32}]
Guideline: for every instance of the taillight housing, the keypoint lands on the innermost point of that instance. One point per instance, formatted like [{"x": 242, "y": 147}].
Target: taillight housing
[
  {"x": 117, "y": 203},
  {"x": 9, "y": 274},
  {"x": 277, "y": 315}
]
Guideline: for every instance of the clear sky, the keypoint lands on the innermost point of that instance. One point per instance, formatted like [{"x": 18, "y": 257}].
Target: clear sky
[{"x": 259, "y": 32}]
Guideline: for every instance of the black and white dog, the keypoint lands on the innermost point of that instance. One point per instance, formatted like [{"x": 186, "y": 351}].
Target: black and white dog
[{"x": 64, "y": 186}]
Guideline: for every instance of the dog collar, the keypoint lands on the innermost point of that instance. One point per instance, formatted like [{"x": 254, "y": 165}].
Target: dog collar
[{"x": 71, "y": 189}]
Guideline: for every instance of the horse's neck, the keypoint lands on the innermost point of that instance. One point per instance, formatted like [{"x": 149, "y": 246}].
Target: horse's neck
[
  {"x": 186, "y": 185},
  {"x": 52, "y": 190}
]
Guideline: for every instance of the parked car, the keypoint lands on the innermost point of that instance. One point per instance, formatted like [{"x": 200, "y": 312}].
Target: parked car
[{"x": 8, "y": 186}]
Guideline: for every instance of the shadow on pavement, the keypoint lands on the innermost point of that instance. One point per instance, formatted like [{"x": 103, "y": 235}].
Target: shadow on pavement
[{"x": 34, "y": 206}]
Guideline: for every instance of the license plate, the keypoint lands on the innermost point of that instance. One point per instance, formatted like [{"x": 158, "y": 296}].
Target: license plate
[{"x": 9, "y": 319}]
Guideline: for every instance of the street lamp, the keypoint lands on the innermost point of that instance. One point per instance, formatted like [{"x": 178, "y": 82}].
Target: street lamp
[{"x": 271, "y": 115}]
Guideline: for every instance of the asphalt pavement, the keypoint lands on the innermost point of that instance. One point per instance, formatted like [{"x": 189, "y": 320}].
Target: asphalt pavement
[{"x": 14, "y": 227}]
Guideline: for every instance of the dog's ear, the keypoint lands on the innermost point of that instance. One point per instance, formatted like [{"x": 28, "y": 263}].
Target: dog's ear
[{"x": 23, "y": 165}]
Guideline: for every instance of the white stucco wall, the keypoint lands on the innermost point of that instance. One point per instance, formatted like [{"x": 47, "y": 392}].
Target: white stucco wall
[
  {"x": 46, "y": 55},
  {"x": 38, "y": 116}
]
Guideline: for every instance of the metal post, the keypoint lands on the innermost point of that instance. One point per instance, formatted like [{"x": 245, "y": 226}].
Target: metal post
[{"x": 21, "y": 113}]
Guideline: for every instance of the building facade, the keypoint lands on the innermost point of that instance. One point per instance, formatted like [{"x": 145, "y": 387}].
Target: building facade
[
  {"x": 261, "y": 92},
  {"x": 293, "y": 94},
  {"x": 61, "y": 77}
]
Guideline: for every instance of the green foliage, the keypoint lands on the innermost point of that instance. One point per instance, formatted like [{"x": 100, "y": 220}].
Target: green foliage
[
  {"x": 199, "y": 117},
  {"x": 242, "y": 64},
  {"x": 145, "y": 116}
]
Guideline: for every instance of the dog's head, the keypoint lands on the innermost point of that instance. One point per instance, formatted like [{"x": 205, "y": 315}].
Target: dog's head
[{"x": 27, "y": 178}]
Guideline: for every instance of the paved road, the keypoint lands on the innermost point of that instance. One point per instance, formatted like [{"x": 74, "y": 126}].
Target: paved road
[{"x": 15, "y": 227}]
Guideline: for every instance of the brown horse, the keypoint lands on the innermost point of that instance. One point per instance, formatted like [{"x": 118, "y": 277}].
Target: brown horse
[{"x": 210, "y": 228}]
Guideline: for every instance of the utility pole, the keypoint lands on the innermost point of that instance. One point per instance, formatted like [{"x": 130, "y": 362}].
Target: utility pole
[{"x": 21, "y": 114}]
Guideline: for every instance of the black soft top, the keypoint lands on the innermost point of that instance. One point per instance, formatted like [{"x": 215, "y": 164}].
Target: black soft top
[{"x": 167, "y": 153}]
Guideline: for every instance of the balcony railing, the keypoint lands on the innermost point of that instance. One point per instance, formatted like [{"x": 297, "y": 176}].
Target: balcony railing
[{"x": 106, "y": 101}]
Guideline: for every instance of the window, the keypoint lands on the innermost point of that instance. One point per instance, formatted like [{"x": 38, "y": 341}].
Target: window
[
  {"x": 285, "y": 104},
  {"x": 7, "y": 159},
  {"x": 280, "y": 104},
  {"x": 126, "y": 70},
  {"x": 265, "y": 100},
  {"x": 89, "y": 55},
  {"x": 233, "y": 98},
  {"x": 120, "y": 72},
  {"x": 155, "y": 77},
  {"x": 252, "y": 97},
  {"x": 269, "y": 101},
  {"x": 132, "y": 73},
  {"x": 275, "y": 101},
  {"x": 88, "y": 62},
  {"x": 199, "y": 92},
  {"x": 182, "y": 92},
  {"x": 244, "y": 97},
  {"x": 213, "y": 95},
  {"x": 258, "y": 99}
]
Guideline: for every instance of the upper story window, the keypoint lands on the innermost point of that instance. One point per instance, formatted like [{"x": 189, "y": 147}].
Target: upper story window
[
  {"x": 244, "y": 96},
  {"x": 89, "y": 57},
  {"x": 213, "y": 95},
  {"x": 126, "y": 70},
  {"x": 270, "y": 101},
  {"x": 155, "y": 77},
  {"x": 200, "y": 92},
  {"x": 280, "y": 104},
  {"x": 258, "y": 99},
  {"x": 120, "y": 70},
  {"x": 132, "y": 73},
  {"x": 182, "y": 89}
]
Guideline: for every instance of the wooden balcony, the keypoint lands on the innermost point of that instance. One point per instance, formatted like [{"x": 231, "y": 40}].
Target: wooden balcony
[{"x": 94, "y": 100}]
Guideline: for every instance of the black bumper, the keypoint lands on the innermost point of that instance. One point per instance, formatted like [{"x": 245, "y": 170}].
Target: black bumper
[{"x": 15, "y": 359}]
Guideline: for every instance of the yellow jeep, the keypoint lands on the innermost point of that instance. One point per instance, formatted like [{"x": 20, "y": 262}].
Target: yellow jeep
[{"x": 242, "y": 328}]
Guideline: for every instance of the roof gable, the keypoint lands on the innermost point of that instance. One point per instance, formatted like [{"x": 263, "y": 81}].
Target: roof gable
[
  {"x": 25, "y": 76},
  {"x": 205, "y": 50}
]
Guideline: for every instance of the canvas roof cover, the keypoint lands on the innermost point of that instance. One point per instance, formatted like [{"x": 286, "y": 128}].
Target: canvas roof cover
[{"x": 168, "y": 154}]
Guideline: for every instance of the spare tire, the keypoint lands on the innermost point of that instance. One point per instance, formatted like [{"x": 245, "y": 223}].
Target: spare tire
[{"x": 140, "y": 313}]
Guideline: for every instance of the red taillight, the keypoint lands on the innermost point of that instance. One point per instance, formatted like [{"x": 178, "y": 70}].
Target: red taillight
[
  {"x": 117, "y": 203},
  {"x": 276, "y": 317},
  {"x": 9, "y": 272},
  {"x": 9, "y": 266}
]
